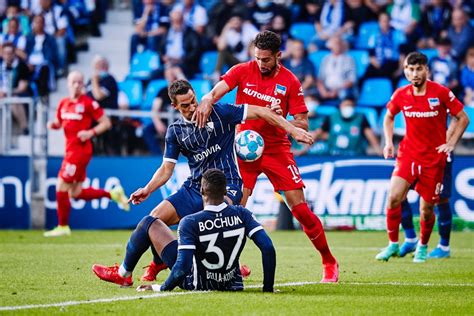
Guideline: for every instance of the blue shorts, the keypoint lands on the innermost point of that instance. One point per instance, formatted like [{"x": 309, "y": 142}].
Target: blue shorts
[{"x": 188, "y": 200}]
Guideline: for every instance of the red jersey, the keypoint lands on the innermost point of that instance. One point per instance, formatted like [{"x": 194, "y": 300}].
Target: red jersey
[
  {"x": 253, "y": 88},
  {"x": 76, "y": 116},
  {"x": 425, "y": 118}
]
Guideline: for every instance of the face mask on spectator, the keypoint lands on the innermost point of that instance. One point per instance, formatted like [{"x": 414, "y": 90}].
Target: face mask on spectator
[
  {"x": 103, "y": 73},
  {"x": 347, "y": 112}
]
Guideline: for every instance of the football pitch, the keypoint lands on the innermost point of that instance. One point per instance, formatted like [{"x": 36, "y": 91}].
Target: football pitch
[{"x": 52, "y": 276}]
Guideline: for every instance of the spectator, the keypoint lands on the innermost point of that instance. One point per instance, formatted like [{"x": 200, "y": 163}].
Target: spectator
[
  {"x": 233, "y": 43},
  {"x": 436, "y": 19},
  {"x": 443, "y": 68},
  {"x": 14, "y": 36},
  {"x": 220, "y": 15},
  {"x": 461, "y": 33},
  {"x": 154, "y": 133},
  {"x": 263, "y": 11},
  {"x": 337, "y": 75},
  {"x": 150, "y": 28},
  {"x": 384, "y": 57},
  {"x": 179, "y": 49},
  {"x": 14, "y": 81},
  {"x": 41, "y": 49},
  {"x": 332, "y": 21},
  {"x": 56, "y": 25},
  {"x": 195, "y": 16},
  {"x": 377, "y": 6},
  {"x": 31, "y": 7},
  {"x": 299, "y": 64},
  {"x": 405, "y": 16},
  {"x": 358, "y": 13},
  {"x": 346, "y": 132},
  {"x": 24, "y": 22},
  {"x": 467, "y": 78},
  {"x": 279, "y": 26},
  {"x": 103, "y": 88},
  {"x": 310, "y": 11}
]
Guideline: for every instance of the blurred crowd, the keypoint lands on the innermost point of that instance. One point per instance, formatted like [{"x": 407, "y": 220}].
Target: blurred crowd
[{"x": 337, "y": 49}]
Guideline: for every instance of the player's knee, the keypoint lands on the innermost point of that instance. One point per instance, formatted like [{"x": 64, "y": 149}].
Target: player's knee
[
  {"x": 394, "y": 200},
  {"x": 145, "y": 223},
  {"x": 427, "y": 212}
]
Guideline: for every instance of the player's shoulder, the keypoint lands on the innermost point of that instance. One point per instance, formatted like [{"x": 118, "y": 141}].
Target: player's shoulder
[
  {"x": 436, "y": 87},
  {"x": 288, "y": 74},
  {"x": 242, "y": 67},
  {"x": 402, "y": 92}
]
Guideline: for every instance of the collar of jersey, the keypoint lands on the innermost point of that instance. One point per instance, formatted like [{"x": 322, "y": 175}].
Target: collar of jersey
[
  {"x": 215, "y": 208},
  {"x": 188, "y": 121}
]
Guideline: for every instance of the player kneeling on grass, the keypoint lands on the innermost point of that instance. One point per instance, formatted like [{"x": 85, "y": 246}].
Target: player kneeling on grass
[{"x": 215, "y": 237}]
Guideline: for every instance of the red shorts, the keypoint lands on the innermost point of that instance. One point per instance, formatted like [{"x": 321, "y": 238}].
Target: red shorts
[
  {"x": 73, "y": 171},
  {"x": 280, "y": 168},
  {"x": 429, "y": 180}
]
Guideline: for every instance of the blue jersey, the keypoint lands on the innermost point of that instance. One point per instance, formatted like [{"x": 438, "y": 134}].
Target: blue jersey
[
  {"x": 208, "y": 147},
  {"x": 217, "y": 236}
]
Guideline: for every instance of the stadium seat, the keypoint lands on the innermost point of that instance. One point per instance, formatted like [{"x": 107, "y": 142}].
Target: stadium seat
[
  {"x": 371, "y": 116},
  {"x": 316, "y": 58},
  {"x": 402, "y": 82},
  {"x": 469, "y": 133},
  {"x": 208, "y": 63},
  {"x": 376, "y": 92},
  {"x": 229, "y": 97},
  {"x": 133, "y": 89},
  {"x": 429, "y": 52},
  {"x": 303, "y": 31},
  {"x": 325, "y": 110},
  {"x": 366, "y": 37},
  {"x": 361, "y": 58},
  {"x": 201, "y": 87},
  {"x": 143, "y": 65},
  {"x": 152, "y": 90}
]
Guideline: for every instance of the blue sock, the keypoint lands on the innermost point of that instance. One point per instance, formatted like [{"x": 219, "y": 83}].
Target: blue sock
[
  {"x": 138, "y": 243},
  {"x": 445, "y": 218},
  {"x": 407, "y": 220},
  {"x": 156, "y": 256},
  {"x": 169, "y": 253}
]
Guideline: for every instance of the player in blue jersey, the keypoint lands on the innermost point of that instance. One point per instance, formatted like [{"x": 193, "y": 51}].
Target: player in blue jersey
[
  {"x": 444, "y": 215},
  {"x": 215, "y": 238},
  {"x": 209, "y": 147}
]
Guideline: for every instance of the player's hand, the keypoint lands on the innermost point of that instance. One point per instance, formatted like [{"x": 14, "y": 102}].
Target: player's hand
[
  {"x": 275, "y": 107},
  {"x": 148, "y": 287},
  {"x": 85, "y": 135},
  {"x": 53, "y": 125},
  {"x": 202, "y": 112},
  {"x": 301, "y": 136},
  {"x": 445, "y": 148},
  {"x": 388, "y": 151},
  {"x": 139, "y": 196}
]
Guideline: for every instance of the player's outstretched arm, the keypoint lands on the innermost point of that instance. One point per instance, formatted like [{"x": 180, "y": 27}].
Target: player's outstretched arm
[
  {"x": 258, "y": 112},
  {"x": 205, "y": 106},
  {"x": 53, "y": 124},
  {"x": 456, "y": 128},
  {"x": 388, "y": 150},
  {"x": 160, "y": 177},
  {"x": 181, "y": 268},
  {"x": 264, "y": 243}
]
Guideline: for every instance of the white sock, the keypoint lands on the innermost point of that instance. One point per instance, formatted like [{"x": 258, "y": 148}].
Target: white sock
[
  {"x": 411, "y": 240},
  {"x": 124, "y": 273},
  {"x": 420, "y": 244},
  {"x": 393, "y": 243},
  {"x": 444, "y": 248}
]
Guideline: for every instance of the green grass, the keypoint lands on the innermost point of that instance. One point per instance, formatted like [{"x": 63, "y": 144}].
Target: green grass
[{"x": 35, "y": 270}]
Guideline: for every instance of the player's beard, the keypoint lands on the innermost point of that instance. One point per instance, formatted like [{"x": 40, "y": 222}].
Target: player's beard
[
  {"x": 420, "y": 83},
  {"x": 269, "y": 72}
]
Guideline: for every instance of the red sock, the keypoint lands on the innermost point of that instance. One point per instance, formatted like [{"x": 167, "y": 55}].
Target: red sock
[
  {"x": 394, "y": 218},
  {"x": 64, "y": 208},
  {"x": 92, "y": 194},
  {"x": 314, "y": 230},
  {"x": 426, "y": 229}
]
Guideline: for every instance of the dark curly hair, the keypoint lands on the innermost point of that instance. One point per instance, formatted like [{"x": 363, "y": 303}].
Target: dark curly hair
[
  {"x": 213, "y": 184},
  {"x": 268, "y": 40},
  {"x": 416, "y": 58},
  {"x": 178, "y": 87}
]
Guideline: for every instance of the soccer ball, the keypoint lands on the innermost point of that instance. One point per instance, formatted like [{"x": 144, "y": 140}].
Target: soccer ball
[{"x": 249, "y": 145}]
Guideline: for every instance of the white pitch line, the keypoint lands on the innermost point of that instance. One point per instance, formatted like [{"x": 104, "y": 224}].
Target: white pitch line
[{"x": 166, "y": 294}]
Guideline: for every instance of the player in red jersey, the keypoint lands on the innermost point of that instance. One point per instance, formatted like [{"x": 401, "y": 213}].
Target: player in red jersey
[
  {"x": 266, "y": 82},
  {"x": 422, "y": 153},
  {"x": 75, "y": 115}
]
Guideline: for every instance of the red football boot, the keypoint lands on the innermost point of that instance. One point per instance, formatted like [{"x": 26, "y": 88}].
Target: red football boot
[
  {"x": 330, "y": 273},
  {"x": 152, "y": 270},
  {"x": 245, "y": 271},
  {"x": 110, "y": 274}
]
